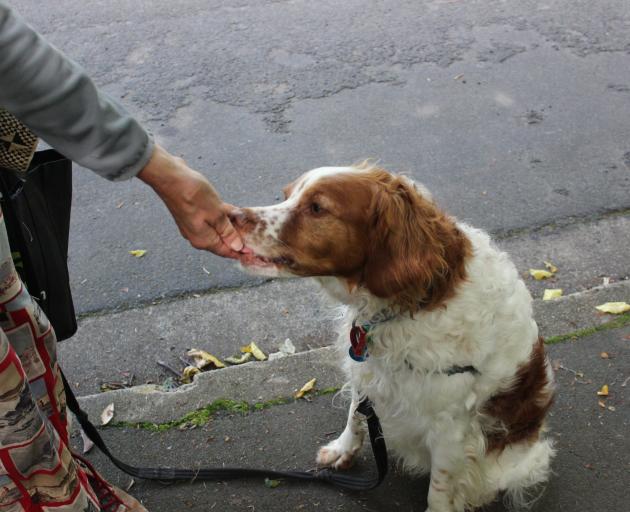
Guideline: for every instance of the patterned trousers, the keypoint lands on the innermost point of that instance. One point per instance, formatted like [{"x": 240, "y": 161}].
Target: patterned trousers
[{"x": 38, "y": 472}]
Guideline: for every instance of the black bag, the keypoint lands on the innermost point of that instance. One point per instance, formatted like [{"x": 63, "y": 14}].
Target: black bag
[{"x": 36, "y": 208}]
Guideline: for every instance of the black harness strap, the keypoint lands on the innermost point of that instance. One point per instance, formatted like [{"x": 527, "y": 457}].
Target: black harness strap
[{"x": 340, "y": 480}]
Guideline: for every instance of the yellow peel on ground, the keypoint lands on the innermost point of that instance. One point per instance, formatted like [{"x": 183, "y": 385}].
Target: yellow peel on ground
[
  {"x": 201, "y": 358},
  {"x": 306, "y": 388},
  {"x": 552, "y": 293},
  {"x": 550, "y": 267},
  {"x": 188, "y": 373},
  {"x": 138, "y": 253},
  {"x": 614, "y": 308},
  {"x": 239, "y": 360},
  {"x": 539, "y": 274},
  {"x": 603, "y": 391},
  {"x": 254, "y": 350}
]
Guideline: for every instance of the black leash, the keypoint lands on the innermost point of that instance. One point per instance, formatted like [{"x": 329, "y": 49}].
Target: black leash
[{"x": 340, "y": 480}]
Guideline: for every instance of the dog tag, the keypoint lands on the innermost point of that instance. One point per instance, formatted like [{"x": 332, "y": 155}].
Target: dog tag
[{"x": 358, "y": 343}]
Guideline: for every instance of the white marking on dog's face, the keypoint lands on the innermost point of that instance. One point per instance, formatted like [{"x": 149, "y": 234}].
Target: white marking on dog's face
[{"x": 275, "y": 216}]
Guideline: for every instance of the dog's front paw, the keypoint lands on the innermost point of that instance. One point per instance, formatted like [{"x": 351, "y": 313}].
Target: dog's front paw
[{"x": 337, "y": 454}]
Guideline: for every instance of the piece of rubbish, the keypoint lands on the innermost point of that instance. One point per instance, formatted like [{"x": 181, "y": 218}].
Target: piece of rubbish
[
  {"x": 168, "y": 367},
  {"x": 579, "y": 375},
  {"x": 603, "y": 391},
  {"x": 552, "y": 293},
  {"x": 87, "y": 442},
  {"x": 550, "y": 267},
  {"x": 604, "y": 355},
  {"x": 243, "y": 358},
  {"x": 206, "y": 271},
  {"x": 107, "y": 414},
  {"x": 601, "y": 404},
  {"x": 130, "y": 485},
  {"x": 614, "y": 308},
  {"x": 202, "y": 359},
  {"x": 306, "y": 388},
  {"x": 457, "y": 77},
  {"x": 286, "y": 348},
  {"x": 188, "y": 374},
  {"x": 271, "y": 484},
  {"x": 539, "y": 274},
  {"x": 138, "y": 253},
  {"x": 255, "y": 351},
  {"x": 611, "y": 408},
  {"x": 170, "y": 384}
]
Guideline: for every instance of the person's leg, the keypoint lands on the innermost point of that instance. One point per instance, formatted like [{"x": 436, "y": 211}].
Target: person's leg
[{"x": 37, "y": 469}]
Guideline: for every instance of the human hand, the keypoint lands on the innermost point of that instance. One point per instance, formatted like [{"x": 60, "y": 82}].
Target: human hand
[{"x": 199, "y": 212}]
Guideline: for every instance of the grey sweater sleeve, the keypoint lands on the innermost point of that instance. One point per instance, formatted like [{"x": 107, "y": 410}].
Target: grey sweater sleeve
[{"x": 55, "y": 98}]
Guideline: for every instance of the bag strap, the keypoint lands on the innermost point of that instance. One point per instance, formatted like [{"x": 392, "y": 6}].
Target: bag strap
[{"x": 342, "y": 481}]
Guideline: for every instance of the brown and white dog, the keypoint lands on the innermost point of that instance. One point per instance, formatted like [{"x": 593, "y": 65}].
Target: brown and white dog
[{"x": 451, "y": 356}]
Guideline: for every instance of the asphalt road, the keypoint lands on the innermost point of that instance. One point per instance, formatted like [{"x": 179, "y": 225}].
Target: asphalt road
[{"x": 515, "y": 113}]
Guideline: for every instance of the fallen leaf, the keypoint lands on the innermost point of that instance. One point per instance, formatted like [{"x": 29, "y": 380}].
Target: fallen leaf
[
  {"x": 202, "y": 359},
  {"x": 255, "y": 351},
  {"x": 87, "y": 442},
  {"x": 604, "y": 355},
  {"x": 107, "y": 414},
  {"x": 239, "y": 359},
  {"x": 539, "y": 275},
  {"x": 306, "y": 388},
  {"x": 188, "y": 373},
  {"x": 272, "y": 484},
  {"x": 551, "y": 267},
  {"x": 552, "y": 293},
  {"x": 614, "y": 308},
  {"x": 138, "y": 253},
  {"x": 603, "y": 391}
]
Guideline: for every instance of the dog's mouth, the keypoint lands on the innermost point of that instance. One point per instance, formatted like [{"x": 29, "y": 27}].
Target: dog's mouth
[{"x": 257, "y": 260}]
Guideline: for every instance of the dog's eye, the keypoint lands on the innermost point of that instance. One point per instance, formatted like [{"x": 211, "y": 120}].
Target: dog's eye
[{"x": 316, "y": 208}]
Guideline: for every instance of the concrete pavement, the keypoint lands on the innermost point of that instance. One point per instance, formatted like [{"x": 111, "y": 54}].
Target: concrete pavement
[{"x": 514, "y": 113}]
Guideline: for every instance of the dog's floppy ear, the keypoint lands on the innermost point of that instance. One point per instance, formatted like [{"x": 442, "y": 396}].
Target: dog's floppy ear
[{"x": 416, "y": 253}]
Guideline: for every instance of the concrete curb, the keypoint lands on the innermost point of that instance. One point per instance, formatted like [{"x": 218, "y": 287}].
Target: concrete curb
[
  {"x": 254, "y": 382},
  {"x": 251, "y": 382}
]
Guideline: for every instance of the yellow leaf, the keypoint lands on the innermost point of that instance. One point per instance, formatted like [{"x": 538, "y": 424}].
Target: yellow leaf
[
  {"x": 201, "y": 358},
  {"x": 552, "y": 293},
  {"x": 189, "y": 372},
  {"x": 539, "y": 274},
  {"x": 614, "y": 308},
  {"x": 239, "y": 360},
  {"x": 551, "y": 267},
  {"x": 138, "y": 253},
  {"x": 306, "y": 388},
  {"x": 254, "y": 350},
  {"x": 603, "y": 391},
  {"x": 107, "y": 414}
]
